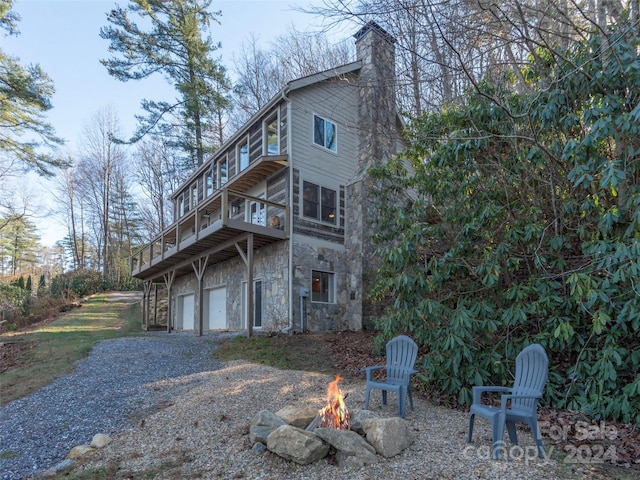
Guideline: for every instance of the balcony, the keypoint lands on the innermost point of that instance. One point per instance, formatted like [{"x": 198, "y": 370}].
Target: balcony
[{"x": 217, "y": 227}]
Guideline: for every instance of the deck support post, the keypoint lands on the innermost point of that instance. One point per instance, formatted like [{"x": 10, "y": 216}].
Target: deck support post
[
  {"x": 248, "y": 261},
  {"x": 199, "y": 267},
  {"x": 145, "y": 304},
  {"x": 168, "y": 281}
]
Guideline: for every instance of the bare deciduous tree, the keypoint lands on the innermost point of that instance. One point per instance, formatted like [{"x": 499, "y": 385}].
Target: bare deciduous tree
[
  {"x": 263, "y": 72},
  {"x": 445, "y": 47},
  {"x": 101, "y": 159},
  {"x": 157, "y": 172}
]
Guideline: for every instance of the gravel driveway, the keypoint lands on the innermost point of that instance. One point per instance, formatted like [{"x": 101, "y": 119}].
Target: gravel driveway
[
  {"x": 175, "y": 412},
  {"x": 106, "y": 393}
]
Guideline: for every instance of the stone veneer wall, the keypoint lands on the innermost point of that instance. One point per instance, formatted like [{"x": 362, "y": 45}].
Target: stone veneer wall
[
  {"x": 270, "y": 265},
  {"x": 321, "y": 317}
]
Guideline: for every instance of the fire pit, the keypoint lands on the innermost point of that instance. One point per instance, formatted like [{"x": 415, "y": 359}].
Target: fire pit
[
  {"x": 335, "y": 413},
  {"x": 355, "y": 438}
]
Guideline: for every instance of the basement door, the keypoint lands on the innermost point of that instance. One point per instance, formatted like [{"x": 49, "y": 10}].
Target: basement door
[
  {"x": 185, "y": 312},
  {"x": 216, "y": 308}
]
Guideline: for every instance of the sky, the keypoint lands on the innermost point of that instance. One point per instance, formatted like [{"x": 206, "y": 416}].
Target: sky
[{"x": 62, "y": 36}]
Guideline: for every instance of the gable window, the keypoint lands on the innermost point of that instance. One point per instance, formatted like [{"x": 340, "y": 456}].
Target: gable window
[
  {"x": 243, "y": 155},
  {"x": 222, "y": 172},
  {"x": 322, "y": 286},
  {"x": 272, "y": 137},
  {"x": 324, "y": 133},
  {"x": 319, "y": 202}
]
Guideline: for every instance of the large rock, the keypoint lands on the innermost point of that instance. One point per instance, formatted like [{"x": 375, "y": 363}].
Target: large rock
[
  {"x": 262, "y": 424},
  {"x": 100, "y": 440},
  {"x": 298, "y": 416},
  {"x": 351, "y": 449},
  {"x": 389, "y": 436},
  {"x": 297, "y": 445},
  {"x": 78, "y": 451},
  {"x": 360, "y": 416}
]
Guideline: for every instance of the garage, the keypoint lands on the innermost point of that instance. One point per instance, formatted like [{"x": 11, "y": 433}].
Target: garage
[
  {"x": 185, "y": 312},
  {"x": 215, "y": 308}
]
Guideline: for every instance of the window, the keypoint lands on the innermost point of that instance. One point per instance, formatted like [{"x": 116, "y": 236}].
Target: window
[
  {"x": 322, "y": 287},
  {"x": 208, "y": 180},
  {"x": 243, "y": 155},
  {"x": 194, "y": 195},
  {"x": 324, "y": 133},
  {"x": 272, "y": 138},
  {"x": 222, "y": 172},
  {"x": 319, "y": 202},
  {"x": 180, "y": 206},
  {"x": 257, "y": 304}
]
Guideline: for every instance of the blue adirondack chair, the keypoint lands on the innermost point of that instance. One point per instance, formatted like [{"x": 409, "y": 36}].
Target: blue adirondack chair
[
  {"x": 401, "y": 358},
  {"x": 531, "y": 375}
]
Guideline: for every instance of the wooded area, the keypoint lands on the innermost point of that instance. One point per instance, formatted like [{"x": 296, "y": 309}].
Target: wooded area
[{"x": 519, "y": 216}]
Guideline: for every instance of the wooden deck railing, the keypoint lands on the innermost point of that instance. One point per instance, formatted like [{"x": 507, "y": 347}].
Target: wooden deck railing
[{"x": 210, "y": 216}]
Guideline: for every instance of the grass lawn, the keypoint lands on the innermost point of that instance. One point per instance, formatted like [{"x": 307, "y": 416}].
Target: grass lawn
[{"x": 45, "y": 352}]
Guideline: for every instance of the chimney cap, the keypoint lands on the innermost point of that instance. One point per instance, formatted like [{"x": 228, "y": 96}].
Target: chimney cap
[{"x": 373, "y": 26}]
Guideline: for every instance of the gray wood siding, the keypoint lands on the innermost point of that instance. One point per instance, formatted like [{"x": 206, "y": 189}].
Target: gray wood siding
[
  {"x": 255, "y": 142},
  {"x": 277, "y": 188},
  {"x": 336, "y": 101},
  {"x": 277, "y": 192},
  {"x": 283, "y": 129}
]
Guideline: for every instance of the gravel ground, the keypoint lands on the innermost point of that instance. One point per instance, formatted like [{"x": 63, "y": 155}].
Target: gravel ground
[
  {"x": 174, "y": 412},
  {"x": 203, "y": 433},
  {"x": 108, "y": 392}
]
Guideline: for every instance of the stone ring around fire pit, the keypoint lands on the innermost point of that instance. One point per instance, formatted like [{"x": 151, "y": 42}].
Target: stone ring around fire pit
[{"x": 282, "y": 434}]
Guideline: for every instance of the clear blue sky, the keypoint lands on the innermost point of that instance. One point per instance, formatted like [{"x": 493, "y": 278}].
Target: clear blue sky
[{"x": 63, "y": 37}]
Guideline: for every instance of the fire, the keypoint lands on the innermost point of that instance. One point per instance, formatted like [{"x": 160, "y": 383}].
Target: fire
[{"x": 335, "y": 413}]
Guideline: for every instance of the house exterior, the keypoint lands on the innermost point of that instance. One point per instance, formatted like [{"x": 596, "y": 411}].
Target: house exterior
[{"x": 272, "y": 232}]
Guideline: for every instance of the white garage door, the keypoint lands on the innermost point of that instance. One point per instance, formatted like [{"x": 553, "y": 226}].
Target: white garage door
[
  {"x": 217, "y": 311},
  {"x": 185, "y": 312}
]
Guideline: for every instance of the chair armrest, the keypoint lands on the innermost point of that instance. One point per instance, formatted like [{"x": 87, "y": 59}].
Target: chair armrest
[
  {"x": 409, "y": 373},
  {"x": 505, "y": 398},
  {"x": 369, "y": 371},
  {"x": 478, "y": 391}
]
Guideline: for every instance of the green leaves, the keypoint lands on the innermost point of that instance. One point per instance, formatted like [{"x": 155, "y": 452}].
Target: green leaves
[
  {"x": 536, "y": 236},
  {"x": 175, "y": 45},
  {"x": 25, "y": 97}
]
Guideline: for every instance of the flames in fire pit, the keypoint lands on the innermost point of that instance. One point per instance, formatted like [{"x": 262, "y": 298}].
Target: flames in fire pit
[{"x": 335, "y": 413}]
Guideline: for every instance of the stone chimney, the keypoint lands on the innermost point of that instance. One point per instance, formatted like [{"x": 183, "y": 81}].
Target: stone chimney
[
  {"x": 377, "y": 140},
  {"x": 377, "y": 96}
]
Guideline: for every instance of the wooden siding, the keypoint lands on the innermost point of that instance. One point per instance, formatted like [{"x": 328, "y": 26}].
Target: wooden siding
[
  {"x": 277, "y": 187},
  {"x": 277, "y": 192},
  {"x": 283, "y": 129},
  {"x": 336, "y": 101}
]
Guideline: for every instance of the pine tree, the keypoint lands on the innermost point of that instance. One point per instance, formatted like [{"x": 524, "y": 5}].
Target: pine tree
[
  {"x": 175, "y": 46},
  {"x": 25, "y": 95},
  {"x": 19, "y": 244}
]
